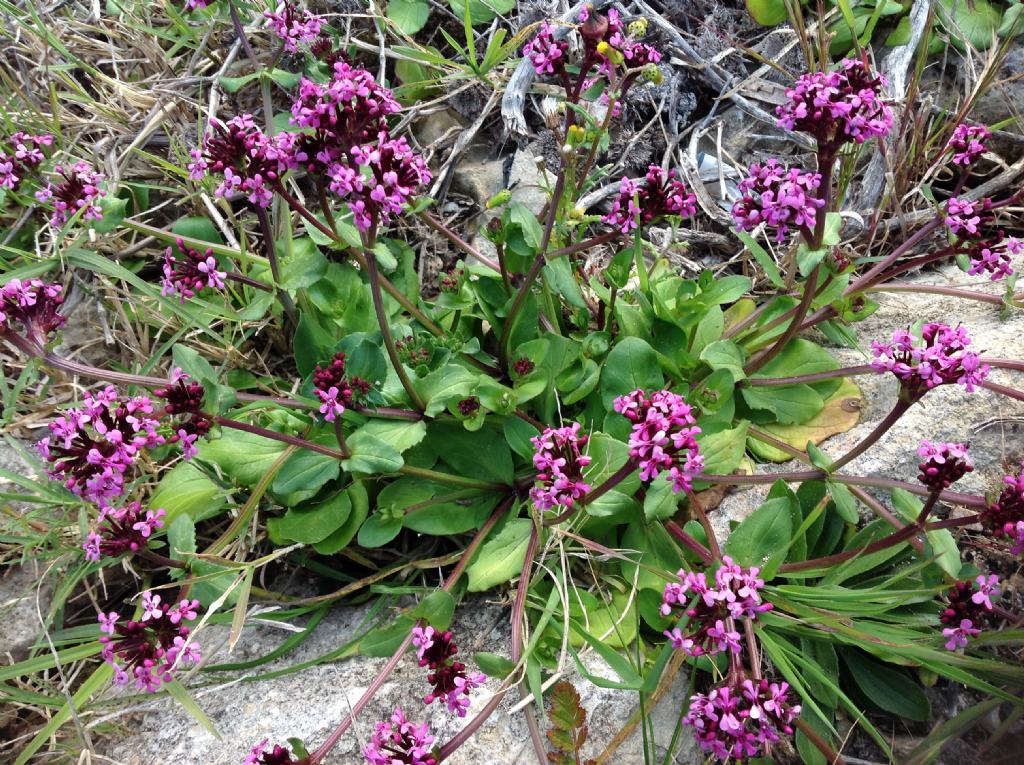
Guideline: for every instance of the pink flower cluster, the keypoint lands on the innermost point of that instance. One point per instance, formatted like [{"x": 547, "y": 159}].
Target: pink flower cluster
[
  {"x": 121, "y": 530},
  {"x": 547, "y": 53},
  {"x": 34, "y": 304},
  {"x": 351, "y": 147},
  {"x": 400, "y": 742},
  {"x": 779, "y": 198},
  {"x": 451, "y": 682},
  {"x": 635, "y": 53},
  {"x": 969, "y": 603},
  {"x": 185, "y": 401},
  {"x": 967, "y": 143},
  {"x": 335, "y": 389},
  {"x": 640, "y": 203},
  {"x": 293, "y": 25},
  {"x": 988, "y": 253},
  {"x": 276, "y": 755},
  {"x": 92, "y": 448},
  {"x": 942, "y": 357},
  {"x": 23, "y": 155},
  {"x": 250, "y": 161},
  {"x": 735, "y": 721},
  {"x": 78, "y": 191},
  {"x": 943, "y": 464},
  {"x": 736, "y": 594},
  {"x": 151, "y": 649},
  {"x": 838, "y": 106},
  {"x": 1005, "y": 516},
  {"x": 663, "y": 436},
  {"x": 559, "y": 462},
  {"x": 190, "y": 273}
]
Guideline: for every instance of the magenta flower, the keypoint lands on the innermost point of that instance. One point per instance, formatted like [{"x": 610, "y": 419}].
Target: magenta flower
[
  {"x": 663, "y": 436},
  {"x": 779, "y": 198},
  {"x": 23, "y": 154},
  {"x": 185, "y": 401},
  {"x": 965, "y": 216},
  {"x": 293, "y": 25},
  {"x": 991, "y": 256},
  {"x": 92, "y": 448},
  {"x": 735, "y": 595},
  {"x": 250, "y": 161},
  {"x": 838, "y": 106},
  {"x": 986, "y": 588},
  {"x": 335, "y": 389},
  {"x": 736, "y": 720},
  {"x": 451, "y": 682},
  {"x": 33, "y": 304},
  {"x": 400, "y": 742},
  {"x": 546, "y": 53},
  {"x": 122, "y": 530},
  {"x": 78, "y": 191},
  {"x": 559, "y": 462},
  {"x": 959, "y": 636},
  {"x": 943, "y": 464},
  {"x": 941, "y": 358},
  {"x": 967, "y": 143},
  {"x": 640, "y": 203},
  {"x": 191, "y": 273},
  {"x": 195, "y": 5},
  {"x": 151, "y": 649},
  {"x": 276, "y": 755},
  {"x": 1005, "y": 516}
]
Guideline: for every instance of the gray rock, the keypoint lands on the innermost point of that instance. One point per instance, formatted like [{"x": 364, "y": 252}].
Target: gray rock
[{"x": 310, "y": 702}]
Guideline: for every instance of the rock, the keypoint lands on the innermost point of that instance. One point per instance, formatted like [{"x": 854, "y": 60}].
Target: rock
[
  {"x": 527, "y": 181},
  {"x": 480, "y": 179},
  {"x": 309, "y": 703},
  {"x": 990, "y": 423}
]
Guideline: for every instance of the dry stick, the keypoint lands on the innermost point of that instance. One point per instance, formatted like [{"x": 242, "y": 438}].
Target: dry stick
[{"x": 378, "y": 681}]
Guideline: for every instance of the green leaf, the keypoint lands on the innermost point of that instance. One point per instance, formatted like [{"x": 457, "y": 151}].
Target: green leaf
[
  {"x": 481, "y": 454},
  {"x": 181, "y": 536},
  {"x": 186, "y": 490},
  {"x": 764, "y": 537},
  {"x": 943, "y": 545},
  {"x": 501, "y": 557},
  {"x": 799, "y": 357},
  {"x": 379, "y": 529},
  {"x": 347, "y": 531},
  {"x": 793, "y": 404},
  {"x": 302, "y": 264},
  {"x": 443, "y": 385},
  {"x": 887, "y": 686},
  {"x": 409, "y": 15},
  {"x": 761, "y": 255},
  {"x": 767, "y": 13},
  {"x": 631, "y": 364},
  {"x": 437, "y": 608},
  {"x": 312, "y": 522},
  {"x": 725, "y": 354},
  {"x": 400, "y": 435},
  {"x": 660, "y": 502},
  {"x": 973, "y": 21},
  {"x": 371, "y": 455},
  {"x": 493, "y": 665},
  {"x": 1013, "y": 23},
  {"x": 189, "y": 704},
  {"x": 723, "y": 449},
  {"x": 631, "y": 679},
  {"x": 244, "y": 457},
  {"x": 305, "y": 471},
  {"x": 235, "y": 84},
  {"x": 481, "y": 11},
  {"x": 845, "y": 502}
]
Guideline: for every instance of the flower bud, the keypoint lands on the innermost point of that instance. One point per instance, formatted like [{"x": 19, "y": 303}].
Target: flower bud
[
  {"x": 594, "y": 28},
  {"x": 652, "y": 73},
  {"x": 637, "y": 28},
  {"x": 610, "y": 53},
  {"x": 502, "y": 197},
  {"x": 576, "y": 135}
]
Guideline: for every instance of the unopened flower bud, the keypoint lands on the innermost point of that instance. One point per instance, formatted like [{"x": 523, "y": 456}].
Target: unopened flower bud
[
  {"x": 577, "y": 213},
  {"x": 594, "y": 28},
  {"x": 498, "y": 199},
  {"x": 576, "y": 135},
  {"x": 610, "y": 53}
]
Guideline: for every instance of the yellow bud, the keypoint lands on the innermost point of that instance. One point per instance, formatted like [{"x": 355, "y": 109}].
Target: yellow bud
[
  {"x": 576, "y": 136},
  {"x": 610, "y": 53},
  {"x": 498, "y": 199},
  {"x": 577, "y": 213},
  {"x": 653, "y": 74}
]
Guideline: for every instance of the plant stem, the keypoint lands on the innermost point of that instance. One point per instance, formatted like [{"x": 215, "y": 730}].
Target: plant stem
[
  {"x": 1002, "y": 390},
  {"x": 871, "y": 278},
  {"x": 880, "y": 430},
  {"x": 378, "y": 681},
  {"x": 934, "y": 289},
  {"x": 698, "y": 509},
  {"x": 689, "y": 542},
  {"x": 764, "y": 357},
  {"x": 767, "y": 382},
  {"x": 586, "y": 244},
  {"x": 451, "y": 480},
  {"x": 339, "y": 434},
  {"x": 249, "y": 281},
  {"x": 385, "y": 327},
  {"x": 275, "y": 270}
]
